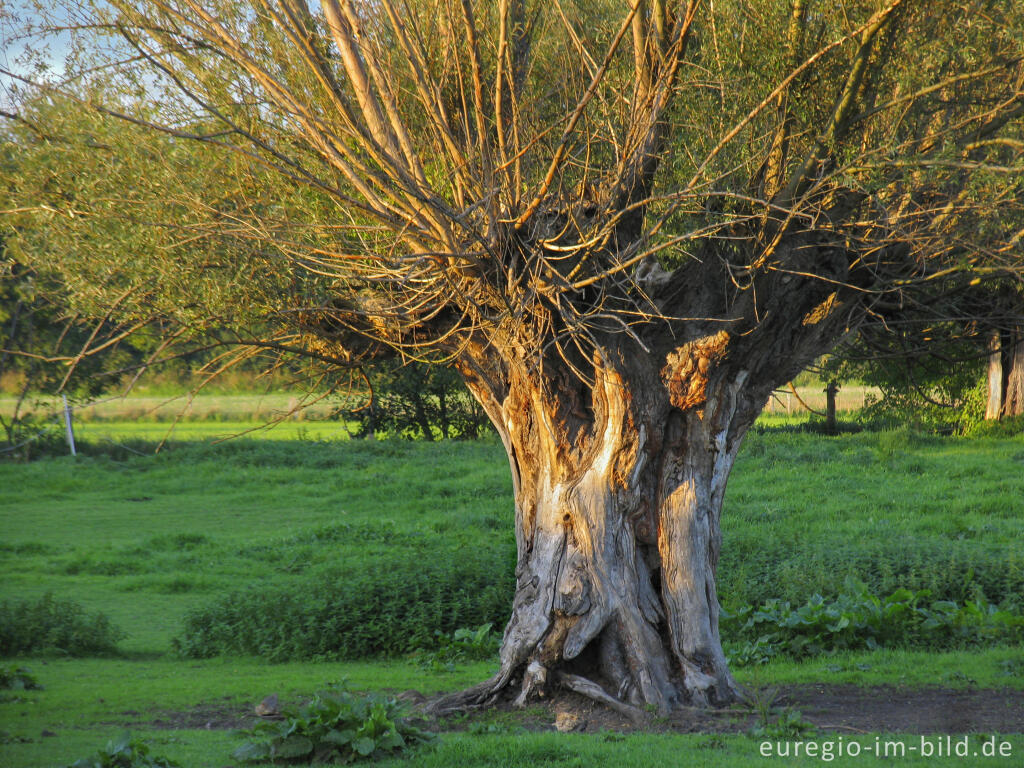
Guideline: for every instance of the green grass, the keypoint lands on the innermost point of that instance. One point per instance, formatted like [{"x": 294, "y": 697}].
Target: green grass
[
  {"x": 647, "y": 750},
  {"x": 521, "y": 749},
  {"x": 222, "y": 516},
  {"x": 148, "y": 538},
  {"x": 872, "y": 510},
  {"x": 188, "y": 431},
  {"x": 86, "y": 702},
  {"x": 802, "y": 513},
  {"x": 805, "y": 511},
  {"x": 988, "y": 668}
]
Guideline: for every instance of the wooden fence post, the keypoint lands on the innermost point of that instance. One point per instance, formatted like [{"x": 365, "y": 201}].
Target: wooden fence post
[{"x": 67, "y": 425}]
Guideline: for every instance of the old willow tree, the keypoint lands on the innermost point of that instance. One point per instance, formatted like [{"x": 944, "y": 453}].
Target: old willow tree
[{"x": 625, "y": 222}]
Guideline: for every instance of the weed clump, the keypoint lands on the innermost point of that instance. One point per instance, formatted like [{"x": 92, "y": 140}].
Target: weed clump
[
  {"x": 51, "y": 625},
  {"x": 336, "y": 726},
  {"x": 14, "y": 678},
  {"x": 126, "y": 752},
  {"x": 463, "y": 645}
]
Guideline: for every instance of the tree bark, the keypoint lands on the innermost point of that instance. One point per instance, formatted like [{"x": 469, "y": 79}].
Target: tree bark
[
  {"x": 1013, "y": 374},
  {"x": 831, "y": 422},
  {"x": 1006, "y": 374},
  {"x": 618, "y": 489},
  {"x": 420, "y": 416},
  {"x": 994, "y": 405}
]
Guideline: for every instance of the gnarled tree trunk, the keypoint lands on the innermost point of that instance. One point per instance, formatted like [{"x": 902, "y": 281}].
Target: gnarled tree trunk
[{"x": 618, "y": 487}]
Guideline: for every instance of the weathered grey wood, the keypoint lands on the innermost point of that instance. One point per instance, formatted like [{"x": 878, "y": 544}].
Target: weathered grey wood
[
  {"x": 618, "y": 491},
  {"x": 593, "y": 691}
]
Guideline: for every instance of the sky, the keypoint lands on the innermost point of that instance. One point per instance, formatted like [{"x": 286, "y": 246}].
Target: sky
[{"x": 15, "y": 17}]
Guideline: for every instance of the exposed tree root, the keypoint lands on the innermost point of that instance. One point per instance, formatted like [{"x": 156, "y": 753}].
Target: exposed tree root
[
  {"x": 534, "y": 680},
  {"x": 454, "y": 703},
  {"x": 487, "y": 693},
  {"x": 594, "y": 691},
  {"x": 481, "y": 695}
]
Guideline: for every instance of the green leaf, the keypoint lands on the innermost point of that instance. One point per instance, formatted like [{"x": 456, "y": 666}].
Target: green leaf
[
  {"x": 294, "y": 746},
  {"x": 392, "y": 740},
  {"x": 254, "y": 750},
  {"x": 123, "y": 743},
  {"x": 341, "y": 738},
  {"x": 840, "y": 625},
  {"x": 364, "y": 746}
]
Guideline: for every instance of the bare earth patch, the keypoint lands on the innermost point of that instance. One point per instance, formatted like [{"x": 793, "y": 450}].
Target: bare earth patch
[
  {"x": 844, "y": 708},
  {"x": 223, "y": 714},
  {"x": 890, "y": 709},
  {"x": 828, "y": 707}
]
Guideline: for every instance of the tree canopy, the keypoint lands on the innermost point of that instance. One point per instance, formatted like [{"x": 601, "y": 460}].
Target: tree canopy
[{"x": 423, "y": 160}]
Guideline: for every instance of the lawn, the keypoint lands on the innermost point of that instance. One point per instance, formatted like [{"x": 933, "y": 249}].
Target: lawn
[{"x": 147, "y": 539}]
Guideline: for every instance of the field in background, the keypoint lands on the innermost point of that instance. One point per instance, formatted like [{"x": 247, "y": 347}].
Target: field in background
[
  {"x": 850, "y": 398},
  {"x": 278, "y": 416},
  {"x": 183, "y": 408},
  {"x": 245, "y": 406},
  {"x": 148, "y": 538},
  {"x": 212, "y": 431},
  {"x": 204, "y": 417}
]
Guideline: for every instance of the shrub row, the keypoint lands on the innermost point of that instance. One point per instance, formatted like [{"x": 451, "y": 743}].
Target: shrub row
[
  {"x": 391, "y": 608},
  {"x": 857, "y": 619},
  {"x": 51, "y": 625},
  {"x": 754, "y": 569},
  {"x": 418, "y": 603}
]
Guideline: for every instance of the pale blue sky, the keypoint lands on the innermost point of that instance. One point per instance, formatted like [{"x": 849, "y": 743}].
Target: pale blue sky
[{"x": 15, "y": 15}]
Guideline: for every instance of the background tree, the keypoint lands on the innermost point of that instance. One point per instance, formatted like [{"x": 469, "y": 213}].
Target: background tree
[
  {"x": 624, "y": 223},
  {"x": 415, "y": 400},
  {"x": 148, "y": 249},
  {"x": 39, "y": 341},
  {"x": 954, "y": 367},
  {"x": 1005, "y": 374}
]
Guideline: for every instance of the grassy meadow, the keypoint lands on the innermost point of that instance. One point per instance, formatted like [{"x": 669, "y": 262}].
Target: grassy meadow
[{"x": 150, "y": 540}]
